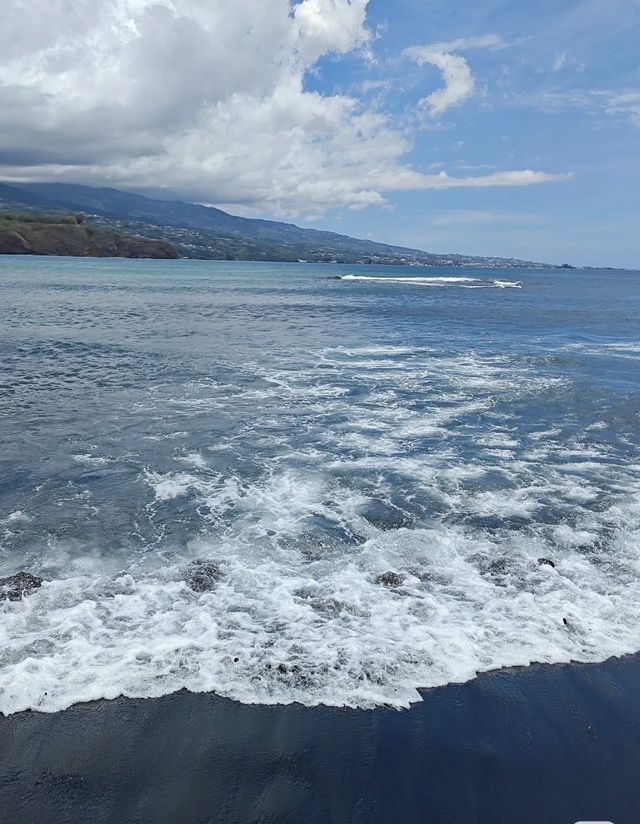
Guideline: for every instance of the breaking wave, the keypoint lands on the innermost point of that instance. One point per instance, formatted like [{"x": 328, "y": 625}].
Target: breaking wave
[
  {"x": 466, "y": 282},
  {"x": 378, "y": 518}
]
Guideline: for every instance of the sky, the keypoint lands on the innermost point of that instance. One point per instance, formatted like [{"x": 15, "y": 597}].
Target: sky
[{"x": 488, "y": 127}]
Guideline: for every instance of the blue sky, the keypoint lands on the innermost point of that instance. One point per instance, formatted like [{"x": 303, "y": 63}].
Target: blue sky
[
  {"x": 490, "y": 127},
  {"x": 561, "y": 93}
]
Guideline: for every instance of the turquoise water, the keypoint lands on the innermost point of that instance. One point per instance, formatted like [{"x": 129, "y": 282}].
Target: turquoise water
[{"x": 309, "y": 434}]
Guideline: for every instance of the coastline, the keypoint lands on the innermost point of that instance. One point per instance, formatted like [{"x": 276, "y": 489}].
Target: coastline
[{"x": 549, "y": 743}]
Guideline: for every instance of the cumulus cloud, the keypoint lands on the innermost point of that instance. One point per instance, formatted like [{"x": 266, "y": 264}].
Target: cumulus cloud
[
  {"x": 207, "y": 100},
  {"x": 332, "y": 25}
]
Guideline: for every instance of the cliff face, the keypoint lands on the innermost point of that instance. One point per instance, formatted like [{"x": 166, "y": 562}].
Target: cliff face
[{"x": 70, "y": 236}]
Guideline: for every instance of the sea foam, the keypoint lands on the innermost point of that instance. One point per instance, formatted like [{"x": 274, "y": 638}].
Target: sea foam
[
  {"x": 467, "y": 282},
  {"x": 306, "y": 505}
]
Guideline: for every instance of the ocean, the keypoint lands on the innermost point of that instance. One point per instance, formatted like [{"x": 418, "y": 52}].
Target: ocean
[{"x": 322, "y": 484}]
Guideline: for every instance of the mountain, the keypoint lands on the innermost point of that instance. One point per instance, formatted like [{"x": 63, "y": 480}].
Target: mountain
[
  {"x": 210, "y": 233},
  {"x": 57, "y": 235}
]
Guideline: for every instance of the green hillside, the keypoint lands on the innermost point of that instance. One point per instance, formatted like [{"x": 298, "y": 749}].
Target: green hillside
[{"x": 208, "y": 233}]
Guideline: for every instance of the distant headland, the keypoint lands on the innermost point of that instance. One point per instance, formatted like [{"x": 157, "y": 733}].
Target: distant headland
[{"x": 32, "y": 234}]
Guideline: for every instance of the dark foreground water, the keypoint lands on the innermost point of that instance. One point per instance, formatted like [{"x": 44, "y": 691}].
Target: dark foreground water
[
  {"x": 306, "y": 436},
  {"x": 546, "y": 745}
]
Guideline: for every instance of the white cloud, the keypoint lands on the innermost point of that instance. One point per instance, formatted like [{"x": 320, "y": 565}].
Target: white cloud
[
  {"x": 467, "y": 217},
  {"x": 459, "y": 83},
  {"x": 555, "y": 100},
  {"x": 330, "y": 25},
  {"x": 625, "y": 103},
  {"x": 493, "y": 42},
  {"x": 207, "y": 100},
  {"x": 564, "y": 61},
  {"x": 519, "y": 177}
]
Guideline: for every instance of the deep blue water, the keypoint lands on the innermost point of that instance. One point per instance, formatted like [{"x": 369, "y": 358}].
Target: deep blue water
[{"x": 308, "y": 435}]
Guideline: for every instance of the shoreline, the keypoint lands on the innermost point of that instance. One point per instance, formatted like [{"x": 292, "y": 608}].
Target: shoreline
[
  {"x": 546, "y": 743},
  {"x": 524, "y": 267},
  {"x": 514, "y": 670}
]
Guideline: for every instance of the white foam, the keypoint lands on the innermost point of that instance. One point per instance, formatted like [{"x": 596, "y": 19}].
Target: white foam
[
  {"x": 470, "y": 283},
  {"x": 16, "y": 517},
  {"x": 279, "y": 628},
  {"x": 172, "y": 484},
  {"x": 419, "y": 281},
  {"x": 194, "y": 459},
  {"x": 621, "y": 349},
  {"x": 374, "y": 350},
  {"x": 91, "y": 460},
  {"x": 406, "y": 477},
  {"x": 508, "y": 284}
]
